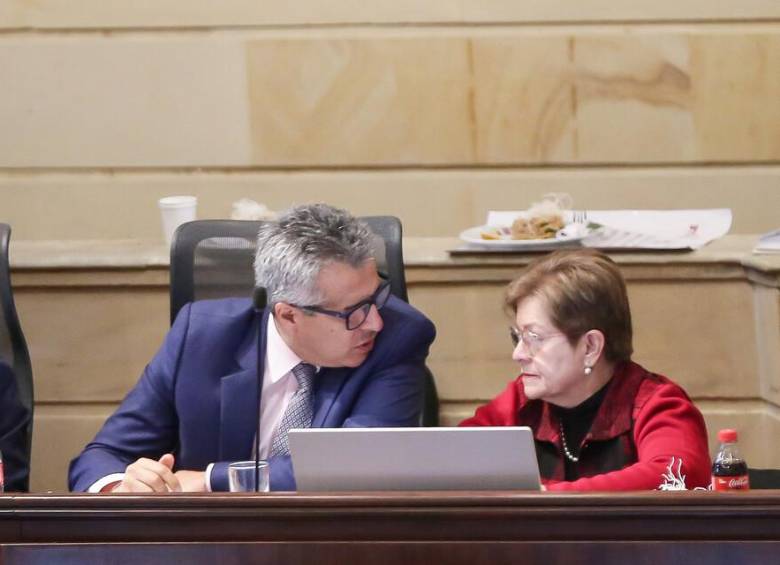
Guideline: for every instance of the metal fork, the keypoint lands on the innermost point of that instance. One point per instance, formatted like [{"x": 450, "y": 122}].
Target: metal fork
[{"x": 580, "y": 216}]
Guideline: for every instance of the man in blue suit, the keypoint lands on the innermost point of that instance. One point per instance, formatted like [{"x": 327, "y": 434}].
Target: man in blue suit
[{"x": 332, "y": 347}]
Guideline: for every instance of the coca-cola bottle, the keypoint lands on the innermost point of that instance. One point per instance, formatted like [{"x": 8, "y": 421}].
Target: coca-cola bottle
[
  {"x": 2, "y": 476},
  {"x": 729, "y": 470}
]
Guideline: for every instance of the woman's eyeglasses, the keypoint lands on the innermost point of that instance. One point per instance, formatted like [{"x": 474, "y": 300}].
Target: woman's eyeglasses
[{"x": 533, "y": 341}]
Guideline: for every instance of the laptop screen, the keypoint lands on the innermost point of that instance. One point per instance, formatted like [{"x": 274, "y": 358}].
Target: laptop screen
[{"x": 483, "y": 458}]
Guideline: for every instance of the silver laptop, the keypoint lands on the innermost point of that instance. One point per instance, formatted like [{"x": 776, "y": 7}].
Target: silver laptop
[{"x": 334, "y": 459}]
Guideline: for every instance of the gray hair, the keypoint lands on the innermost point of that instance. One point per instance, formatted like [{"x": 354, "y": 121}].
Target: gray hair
[{"x": 292, "y": 250}]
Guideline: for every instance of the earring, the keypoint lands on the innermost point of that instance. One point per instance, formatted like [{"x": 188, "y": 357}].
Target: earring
[{"x": 588, "y": 370}]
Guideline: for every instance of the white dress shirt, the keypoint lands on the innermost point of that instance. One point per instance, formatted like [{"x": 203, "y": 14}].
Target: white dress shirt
[{"x": 279, "y": 385}]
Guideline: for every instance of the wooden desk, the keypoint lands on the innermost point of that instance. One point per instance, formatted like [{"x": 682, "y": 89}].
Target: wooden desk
[{"x": 408, "y": 528}]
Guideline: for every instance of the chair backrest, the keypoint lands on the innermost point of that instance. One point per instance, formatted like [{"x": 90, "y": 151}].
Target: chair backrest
[
  {"x": 13, "y": 347},
  {"x": 214, "y": 259}
]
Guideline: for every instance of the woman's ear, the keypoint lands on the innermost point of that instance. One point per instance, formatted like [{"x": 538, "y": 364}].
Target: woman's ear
[{"x": 594, "y": 341}]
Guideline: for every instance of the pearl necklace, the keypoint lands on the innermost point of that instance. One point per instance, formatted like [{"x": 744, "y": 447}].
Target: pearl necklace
[{"x": 566, "y": 451}]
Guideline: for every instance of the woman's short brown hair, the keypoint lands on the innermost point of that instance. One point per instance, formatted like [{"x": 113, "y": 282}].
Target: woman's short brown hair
[{"x": 584, "y": 290}]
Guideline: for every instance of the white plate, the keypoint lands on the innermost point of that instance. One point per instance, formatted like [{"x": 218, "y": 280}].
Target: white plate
[{"x": 472, "y": 237}]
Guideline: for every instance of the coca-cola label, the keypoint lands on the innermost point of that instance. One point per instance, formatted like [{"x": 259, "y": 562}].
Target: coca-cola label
[{"x": 730, "y": 483}]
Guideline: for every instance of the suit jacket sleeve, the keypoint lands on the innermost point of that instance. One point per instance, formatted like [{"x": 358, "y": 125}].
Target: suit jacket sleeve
[{"x": 144, "y": 425}]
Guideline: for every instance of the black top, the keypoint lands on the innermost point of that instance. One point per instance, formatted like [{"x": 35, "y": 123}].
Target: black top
[{"x": 576, "y": 424}]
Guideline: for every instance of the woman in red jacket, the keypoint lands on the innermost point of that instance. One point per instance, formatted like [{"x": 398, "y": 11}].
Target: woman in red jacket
[{"x": 600, "y": 421}]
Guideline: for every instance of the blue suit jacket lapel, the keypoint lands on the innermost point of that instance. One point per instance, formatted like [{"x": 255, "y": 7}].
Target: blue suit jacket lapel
[
  {"x": 240, "y": 396},
  {"x": 329, "y": 385}
]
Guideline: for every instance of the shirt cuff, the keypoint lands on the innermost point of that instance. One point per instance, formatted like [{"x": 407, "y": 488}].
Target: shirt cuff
[
  {"x": 98, "y": 485},
  {"x": 207, "y": 478}
]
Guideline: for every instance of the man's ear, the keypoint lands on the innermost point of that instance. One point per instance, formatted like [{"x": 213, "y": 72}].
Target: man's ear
[
  {"x": 594, "y": 341},
  {"x": 285, "y": 314}
]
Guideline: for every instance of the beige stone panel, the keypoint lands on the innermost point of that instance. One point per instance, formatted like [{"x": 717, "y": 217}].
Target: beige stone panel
[
  {"x": 123, "y": 205},
  {"x": 768, "y": 456},
  {"x": 738, "y": 92},
  {"x": 90, "y": 344},
  {"x": 524, "y": 99},
  {"x": 452, "y": 413},
  {"x": 86, "y": 101},
  {"x": 767, "y": 318},
  {"x": 353, "y": 101},
  {"x": 471, "y": 357},
  {"x": 511, "y": 97},
  {"x": 411, "y": 97},
  {"x": 633, "y": 98},
  {"x": 60, "y": 432},
  {"x": 700, "y": 334},
  {"x": 620, "y": 131},
  {"x": 183, "y": 13},
  {"x": 583, "y": 97},
  {"x": 758, "y": 426}
]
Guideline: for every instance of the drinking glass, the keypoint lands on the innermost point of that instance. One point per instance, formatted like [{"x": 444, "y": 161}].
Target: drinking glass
[{"x": 241, "y": 476}]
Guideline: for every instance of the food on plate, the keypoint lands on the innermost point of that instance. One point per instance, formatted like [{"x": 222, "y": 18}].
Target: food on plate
[
  {"x": 543, "y": 220},
  {"x": 537, "y": 227},
  {"x": 492, "y": 232}
]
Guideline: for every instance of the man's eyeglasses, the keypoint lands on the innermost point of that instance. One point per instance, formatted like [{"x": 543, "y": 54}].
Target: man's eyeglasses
[
  {"x": 532, "y": 340},
  {"x": 355, "y": 316}
]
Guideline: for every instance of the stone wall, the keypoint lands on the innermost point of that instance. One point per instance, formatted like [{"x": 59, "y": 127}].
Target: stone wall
[{"x": 382, "y": 106}]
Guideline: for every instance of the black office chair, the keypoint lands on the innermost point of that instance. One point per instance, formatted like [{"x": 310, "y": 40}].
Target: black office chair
[
  {"x": 14, "y": 353},
  {"x": 214, "y": 259}
]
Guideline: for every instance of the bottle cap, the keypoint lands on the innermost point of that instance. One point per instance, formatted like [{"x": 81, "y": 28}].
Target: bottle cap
[{"x": 727, "y": 436}]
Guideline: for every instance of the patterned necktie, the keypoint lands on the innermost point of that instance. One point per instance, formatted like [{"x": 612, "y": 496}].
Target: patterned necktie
[{"x": 299, "y": 410}]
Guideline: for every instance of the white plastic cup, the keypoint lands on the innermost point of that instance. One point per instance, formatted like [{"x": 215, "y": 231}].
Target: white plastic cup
[
  {"x": 241, "y": 476},
  {"x": 175, "y": 211}
]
